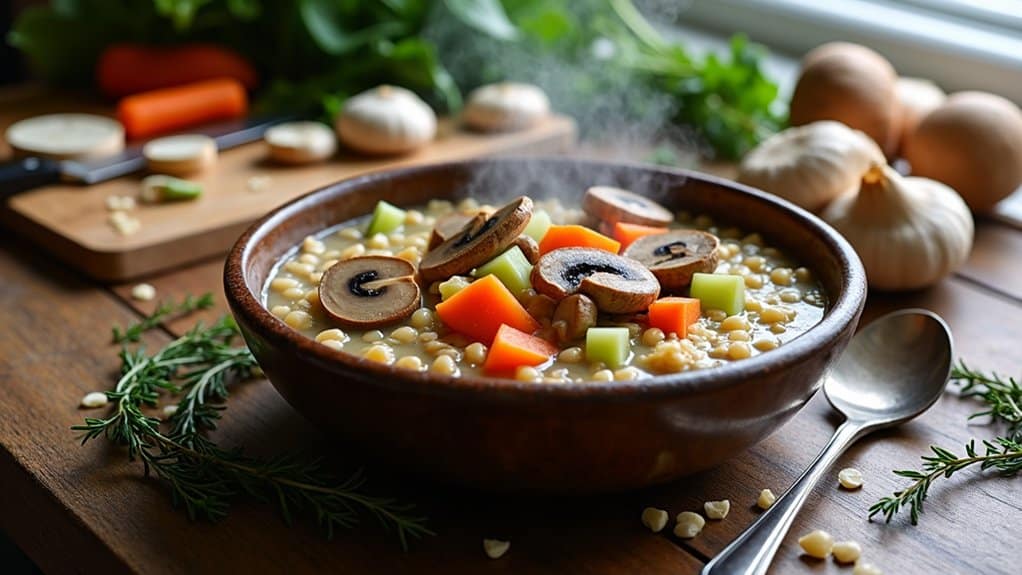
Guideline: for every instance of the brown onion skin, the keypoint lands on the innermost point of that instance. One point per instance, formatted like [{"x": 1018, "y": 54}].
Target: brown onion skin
[
  {"x": 853, "y": 85},
  {"x": 972, "y": 143}
]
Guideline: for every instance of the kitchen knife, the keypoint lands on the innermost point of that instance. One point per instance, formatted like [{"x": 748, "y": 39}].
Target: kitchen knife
[{"x": 32, "y": 172}]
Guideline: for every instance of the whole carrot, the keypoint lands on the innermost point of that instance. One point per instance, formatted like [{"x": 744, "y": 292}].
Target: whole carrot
[
  {"x": 169, "y": 109},
  {"x": 125, "y": 69}
]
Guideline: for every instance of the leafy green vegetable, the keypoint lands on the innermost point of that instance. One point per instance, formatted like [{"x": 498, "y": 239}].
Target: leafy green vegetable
[{"x": 600, "y": 60}]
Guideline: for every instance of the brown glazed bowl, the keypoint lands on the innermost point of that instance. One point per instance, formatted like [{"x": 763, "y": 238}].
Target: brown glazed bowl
[{"x": 514, "y": 436}]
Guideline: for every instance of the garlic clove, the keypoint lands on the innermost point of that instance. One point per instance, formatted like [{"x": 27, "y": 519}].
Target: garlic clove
[
  {"x": 386, "y": 120},
  {"x": 810, "y": 165},
  {"x": 909, "y": 232}
]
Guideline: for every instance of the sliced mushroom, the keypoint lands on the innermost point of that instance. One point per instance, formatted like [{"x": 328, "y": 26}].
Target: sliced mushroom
[
  {"x": 452, "y": 223},
  {"x": 611, "y": 205},
  {"x": 369, "y": 292},
  {"x": 674, "y": 256},
  {"x": 477, "y": 242},
  {"x": 529, "y": 248},
  {"x": 615, "y": 283},
  {"x": 574, "y": 315}
]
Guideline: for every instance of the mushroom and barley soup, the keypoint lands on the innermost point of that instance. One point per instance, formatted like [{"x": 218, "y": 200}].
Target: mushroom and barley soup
[{"x": 619, "y": 289}]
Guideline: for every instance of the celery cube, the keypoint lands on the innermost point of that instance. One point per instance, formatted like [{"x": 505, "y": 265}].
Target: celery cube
[
  {"x": 610, "y": 345},
  {"x": 538, "y": 225},
  {"x": 453, "y": 285},
  {"x": 511, "y": 268},
  {"x": 719, "y": 291},
  {"x": 386, "y": 218}
]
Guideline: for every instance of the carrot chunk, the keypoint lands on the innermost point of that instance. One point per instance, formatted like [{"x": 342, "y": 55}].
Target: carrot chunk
[
  {"x": 480, "y": 308},
  {"x": 168, "y": 109},
  {"x": 572, "y": 236},
  {"x": 674, "y": 314},
  {"x": 627, "y": 233},
  {"x": 512, "y": 348}
]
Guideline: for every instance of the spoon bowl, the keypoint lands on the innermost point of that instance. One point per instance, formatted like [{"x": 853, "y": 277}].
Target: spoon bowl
[{"x": 893, "y": 369}]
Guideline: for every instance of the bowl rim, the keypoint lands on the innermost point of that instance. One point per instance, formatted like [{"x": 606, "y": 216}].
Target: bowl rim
[{"x": 845, "y": 310}]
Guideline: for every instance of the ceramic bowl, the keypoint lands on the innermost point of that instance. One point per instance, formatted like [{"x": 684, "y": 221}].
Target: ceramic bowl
[{"x": 508, "y": 435}]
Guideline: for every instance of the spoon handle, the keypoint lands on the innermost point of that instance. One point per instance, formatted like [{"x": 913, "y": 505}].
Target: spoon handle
[{"x": 752, "y": 551}]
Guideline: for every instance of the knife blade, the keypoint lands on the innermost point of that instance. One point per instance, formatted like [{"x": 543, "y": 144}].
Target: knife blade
[{"x": 28, "y": 173}]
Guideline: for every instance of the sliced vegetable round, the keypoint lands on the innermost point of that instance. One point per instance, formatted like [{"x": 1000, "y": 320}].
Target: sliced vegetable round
[
  {"x": 300, "y": 142},
  {"x": 612, "y": 205},
  {"x": 452, "y": 223},
  {"x": 180, "y": 155},
  {"x": 674, "y": 256},
  {"x": 529, "y": 248},
  {"x": 368, "y": 292},
  {"x": 478, "y": 241},
  {"x": 616, "y": 284},
  {"x": 66, "y": 136}
]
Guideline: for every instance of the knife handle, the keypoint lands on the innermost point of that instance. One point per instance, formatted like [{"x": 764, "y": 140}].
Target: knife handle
[{"x": 27, "y": 173}]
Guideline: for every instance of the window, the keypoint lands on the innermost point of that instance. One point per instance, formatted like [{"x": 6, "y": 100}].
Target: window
[{"x": 960, "y": 44}]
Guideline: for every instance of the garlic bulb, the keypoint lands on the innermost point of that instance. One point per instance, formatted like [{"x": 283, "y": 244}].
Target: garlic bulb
[
  {"x": 909, "y": 232},
  {"x": 810, "y": 165},
  {"x": 386, "y": 120},
  {"x": 505, "y": 106}
]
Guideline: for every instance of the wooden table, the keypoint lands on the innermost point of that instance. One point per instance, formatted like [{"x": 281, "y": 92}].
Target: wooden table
[{"x": 84, "y": 509}]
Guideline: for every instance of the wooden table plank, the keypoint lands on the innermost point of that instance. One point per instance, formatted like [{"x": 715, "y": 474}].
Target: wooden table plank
[{"x": 996, "y": 259}]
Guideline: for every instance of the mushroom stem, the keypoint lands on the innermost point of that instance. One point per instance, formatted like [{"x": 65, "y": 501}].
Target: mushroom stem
[{"x": 377, "y": 284}]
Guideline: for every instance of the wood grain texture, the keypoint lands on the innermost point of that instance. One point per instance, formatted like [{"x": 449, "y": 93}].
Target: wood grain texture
[{"x": 71, "y": 220}]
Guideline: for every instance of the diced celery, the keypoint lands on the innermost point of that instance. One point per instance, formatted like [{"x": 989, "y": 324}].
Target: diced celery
[
  {"x": 719, "y": 291},
  {"x": 452, "y": 286},
  {"x": 610, "y": 345},
  {"x": 511, "y": 268},
  {"x": 538, "y": 225},
  {"x": 386, "y": 218}
]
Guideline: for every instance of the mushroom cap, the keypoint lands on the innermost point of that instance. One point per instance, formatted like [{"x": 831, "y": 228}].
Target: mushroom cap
[
  {"x": 477, "y": 242},
  {"x": 452, "y": 223},
  {"x": 573, "y": 316},
  {"x": 616, "y": 284},
  {"x": 674, "y": 256},
  {"x": 611, "y": 205},
  {"x": 345, "y": 297}
]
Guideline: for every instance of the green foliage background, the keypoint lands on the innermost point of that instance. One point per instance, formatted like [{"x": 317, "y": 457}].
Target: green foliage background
[{"x": 599, "y": 59}]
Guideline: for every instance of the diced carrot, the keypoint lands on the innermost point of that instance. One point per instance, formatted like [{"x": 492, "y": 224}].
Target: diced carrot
[
  {"x": 480, "y": 308},
  {"x": 512, "y": 348},
  {"x": 572, "y": 236},
  {"x": 168, "y": 109},
  {"x": 674, "y": 314},
  {"x": 125, "y": 69},
  {"x": 627, "y": 233}
]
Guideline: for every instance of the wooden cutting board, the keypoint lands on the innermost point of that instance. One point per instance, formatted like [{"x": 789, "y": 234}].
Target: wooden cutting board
[{"x": 71, "y": 220}]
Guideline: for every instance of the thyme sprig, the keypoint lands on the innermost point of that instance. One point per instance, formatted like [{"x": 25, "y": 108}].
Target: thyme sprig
[
  {"x": 1003, "y": 398},
  {"x": 198, "y": 368},
  {"x": 163, "y": 311}
]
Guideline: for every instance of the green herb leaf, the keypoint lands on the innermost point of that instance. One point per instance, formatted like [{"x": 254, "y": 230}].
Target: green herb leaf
[{"x": 487, "y": 16}]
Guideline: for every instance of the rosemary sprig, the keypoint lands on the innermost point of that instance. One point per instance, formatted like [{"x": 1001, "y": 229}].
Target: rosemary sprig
[
  {"x": 1003, "y": 398},
  {"x": 1002, "y": 454},
  {"x": 199, "y": 368},
  {"x": 166, "y": 309}
]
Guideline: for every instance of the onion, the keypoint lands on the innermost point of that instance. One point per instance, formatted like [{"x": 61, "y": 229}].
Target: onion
[
  {"x": 918, "y": 97},
  {"x": 853, "y": 85},
  {"x": 973, "y": 143}
]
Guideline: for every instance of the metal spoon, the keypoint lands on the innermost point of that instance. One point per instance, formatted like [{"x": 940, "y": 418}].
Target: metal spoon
[{"x": 893, "y": 370}]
